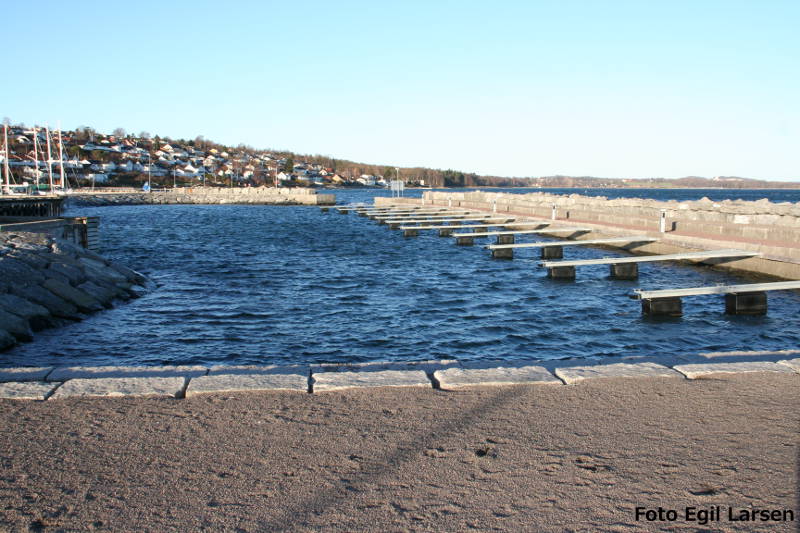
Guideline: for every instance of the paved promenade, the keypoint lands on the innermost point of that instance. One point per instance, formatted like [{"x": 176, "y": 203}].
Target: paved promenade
[{"x": 537, "y": 457}]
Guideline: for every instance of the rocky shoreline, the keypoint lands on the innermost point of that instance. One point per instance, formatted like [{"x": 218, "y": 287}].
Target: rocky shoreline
[
  {"x": 206, "y": 196},
  {"x": 47, "y": 282}
]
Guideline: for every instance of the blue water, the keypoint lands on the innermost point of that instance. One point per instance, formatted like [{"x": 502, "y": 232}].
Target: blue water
[{"x": 276, "y": 284}]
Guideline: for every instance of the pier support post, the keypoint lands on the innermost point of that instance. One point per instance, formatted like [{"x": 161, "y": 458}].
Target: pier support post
[
  {"x": 343, "y": 211},
  {"x": 394, "y": 225},
  {"x": 410, "y": 232},
  {"x": 662, "y": 307},
  {"x": 505, "y": 239},
  {"x": 552, "y": 252},
  {"x": 503, "y": 253},
  {"x": 746, "y": 303},
  {"x": 625, "y": 271},
  {"x": 323, "y": 209},
  {"x": 465, "y": 241},
  {"x": 445, "y": 232},
  {"x": 561, "y": 272}
]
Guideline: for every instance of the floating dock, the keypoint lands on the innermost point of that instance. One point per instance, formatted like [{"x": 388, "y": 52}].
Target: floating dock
[
  {"x": 627, "y": 267},
  {"x": 749, "y": 299},
  {"x": 507, "y": 237},
  {"x": 555, "y": 249}
]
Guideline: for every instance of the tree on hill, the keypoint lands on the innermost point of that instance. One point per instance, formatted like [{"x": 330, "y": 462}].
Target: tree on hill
[
  {"x": 118, "y": 133},
  {"x": 289, "y": 165}
]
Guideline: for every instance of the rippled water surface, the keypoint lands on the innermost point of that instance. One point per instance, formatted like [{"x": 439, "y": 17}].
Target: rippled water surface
[{"x": 272, "y": 284}]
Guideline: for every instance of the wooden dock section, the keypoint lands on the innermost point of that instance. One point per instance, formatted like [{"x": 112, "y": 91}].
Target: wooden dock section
[
  {"x": 748, "y": 299},
  {"x": 627, "y": 267},
  {"x": 31, "y": 206},
  {"x": 555, "y": 249}
]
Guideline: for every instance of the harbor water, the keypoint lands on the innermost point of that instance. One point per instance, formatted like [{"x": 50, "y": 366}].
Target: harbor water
[{"x": 236, "y": 284}]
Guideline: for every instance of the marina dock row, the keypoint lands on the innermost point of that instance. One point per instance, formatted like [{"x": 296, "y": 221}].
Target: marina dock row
[{"x": 472, "y": 224}]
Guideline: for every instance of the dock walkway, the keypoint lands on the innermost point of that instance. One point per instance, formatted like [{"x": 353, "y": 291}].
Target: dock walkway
[
  {"x": 554, "y": 249},
  {"x": 627, "y": 267},
  {"x": 748, "y": 299}
]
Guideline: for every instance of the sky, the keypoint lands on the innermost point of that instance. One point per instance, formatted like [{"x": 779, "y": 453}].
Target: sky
[{"x": 621, "y": 89}]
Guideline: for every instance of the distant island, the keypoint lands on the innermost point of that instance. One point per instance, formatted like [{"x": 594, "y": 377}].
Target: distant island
[{"x": 86, "y": 157}]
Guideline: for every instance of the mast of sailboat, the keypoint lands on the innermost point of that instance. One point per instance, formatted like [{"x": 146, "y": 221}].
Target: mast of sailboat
[
  {"x": 7, "y": 188},
  {"x": 61, "y": 158},
  {"x": 36, "y": 157},
  {"x": 49, "y": 158}
]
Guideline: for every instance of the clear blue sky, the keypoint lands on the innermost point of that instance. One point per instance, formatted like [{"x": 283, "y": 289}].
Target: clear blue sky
[{"x": 529, "y": 88}]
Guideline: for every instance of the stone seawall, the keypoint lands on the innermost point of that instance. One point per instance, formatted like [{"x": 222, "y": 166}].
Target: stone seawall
[
  {"x": 47, "y": 282},
  {"x": 772, "y": 229},
  {"x": 207, "y": 195}
]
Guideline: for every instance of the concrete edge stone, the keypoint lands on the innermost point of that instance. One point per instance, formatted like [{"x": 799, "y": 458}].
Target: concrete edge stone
[
  {"x": 100, "y": 372},
  {"x": 220, "y": 383},
  {"x": 453, "y": 378},
  {"x": 377, "y": 366},
  {"x": 26, "y": 390},
  {"x": 794, "y": 364},
  {"x": 576, "y": 374},
  {"x": 171, "y": 387},
  {"x": 24, "y": 373},
  {"x": 696, "y": 371},
  {"x": 330, "y": 381},
  {"x": 217, "y": 370}
]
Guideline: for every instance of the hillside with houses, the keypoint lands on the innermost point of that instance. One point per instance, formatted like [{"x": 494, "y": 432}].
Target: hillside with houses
[
  {"x": 90, "y": 158},
  {"x": 37, "y": 158}
]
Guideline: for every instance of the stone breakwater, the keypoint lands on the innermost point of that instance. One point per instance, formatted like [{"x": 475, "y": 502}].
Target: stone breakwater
[
  {"x": 772, "y": 229},
  {"x": 47, "y": 282},
  {"x": 207, "y": 195}
]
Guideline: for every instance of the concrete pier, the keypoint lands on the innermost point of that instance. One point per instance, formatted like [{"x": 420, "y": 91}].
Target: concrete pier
[
  {"x": 662, "y": 307},
  {"x": 553, "y": 252},
  {"x": 625, "y": 271},
  {"x": 563, "y": 272},
  {"x": 503, "y": 253},
  {"x": 746, "y": 303}
]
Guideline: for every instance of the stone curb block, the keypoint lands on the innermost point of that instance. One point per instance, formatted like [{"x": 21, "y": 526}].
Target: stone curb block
[
  {"x": 794, "y": 364},
  {"x": 452, "y": 378},
  {"x": 576, "y": 374},
  {"x": 376, "y": 366},
  {"x": 115, "y": 387},
  {"x": 329, "y": 381},
  {"x": 29, "y": 390},
  {"x": 217, "y": 370},
  {"x": 94, "y": 372},
  {"x": 247, "y": 382},
  {"x": 700, "y": 370},
  {"x": 24, "y": 373}
]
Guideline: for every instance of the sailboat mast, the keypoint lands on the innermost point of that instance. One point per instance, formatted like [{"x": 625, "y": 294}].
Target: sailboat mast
[
  {"x": 36, "y": 157},
  {"x": 61, "y": 158},
  {"x": 49, "y": 158},
  {"x": 7, "y": 188}
]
